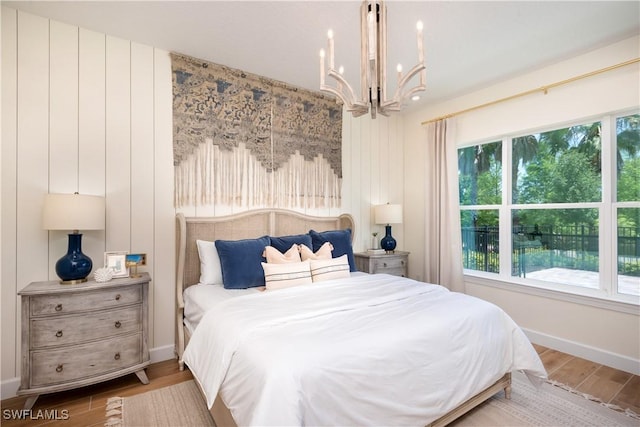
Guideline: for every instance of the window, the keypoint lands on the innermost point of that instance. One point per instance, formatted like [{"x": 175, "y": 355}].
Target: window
[{"x": 566, "y": 206}]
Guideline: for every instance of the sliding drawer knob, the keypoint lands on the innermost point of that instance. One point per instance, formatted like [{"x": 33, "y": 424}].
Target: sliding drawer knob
[
  {"x": 59, "y": 307},
  {"x": 117, "y": 356},
  {"x": 59, "y": 334},
  {"x": 59, "y": 368},
  {"x": 118, "y": 297},
  {"x": 384, "y": 264},
  {"x": 118, "y": 324}
]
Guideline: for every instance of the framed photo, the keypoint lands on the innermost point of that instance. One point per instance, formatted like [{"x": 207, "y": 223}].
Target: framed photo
[
  {"x": 117, "y": 261},
  {"x": 133, "y": 261},
  {"x": 137, "y": 259}
]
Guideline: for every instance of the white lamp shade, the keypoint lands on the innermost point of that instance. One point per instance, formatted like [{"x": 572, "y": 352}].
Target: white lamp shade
[
  {"x": 73, "y": 212},
  {"x": 388, "y": 214}
]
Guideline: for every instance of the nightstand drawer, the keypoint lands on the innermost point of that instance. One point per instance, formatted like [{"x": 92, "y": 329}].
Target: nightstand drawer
[
  {"x": 84, "y": 361},
  {"x": 391, "y": 263},
  {"x": 88, "y": 301},
  {"x": 395, "y": 263},
  {"x": 62, "y": 330}
]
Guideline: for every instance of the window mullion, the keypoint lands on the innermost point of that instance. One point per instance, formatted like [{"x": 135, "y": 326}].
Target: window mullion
[
  {"x": 505, "y": 211},
  {"x": 608, "y": 219}
]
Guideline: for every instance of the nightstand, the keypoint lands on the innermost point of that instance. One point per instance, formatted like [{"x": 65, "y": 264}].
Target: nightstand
[
  {"x": 396, "y": 263},
  {"x": 82, "y": 334}
]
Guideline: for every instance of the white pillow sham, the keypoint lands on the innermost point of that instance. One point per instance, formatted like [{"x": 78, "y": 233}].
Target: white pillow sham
[{"x": 210, "y": 267}]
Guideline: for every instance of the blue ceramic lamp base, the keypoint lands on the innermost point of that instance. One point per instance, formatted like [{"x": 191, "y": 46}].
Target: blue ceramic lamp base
[
  {"x": 75, "y": 266},
  {"x": 388, "y": 243}
]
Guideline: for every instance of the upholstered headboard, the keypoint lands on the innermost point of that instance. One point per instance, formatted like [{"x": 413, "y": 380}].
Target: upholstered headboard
[{"x": 250, "y": 224}]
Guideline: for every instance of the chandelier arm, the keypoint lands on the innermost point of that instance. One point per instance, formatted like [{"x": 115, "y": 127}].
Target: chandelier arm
[
  {"x": 399, "y": 93},
  {"x": 350, "y": 95}
]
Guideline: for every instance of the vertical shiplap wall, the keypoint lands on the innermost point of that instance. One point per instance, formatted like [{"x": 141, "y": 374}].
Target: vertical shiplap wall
[
  {"x": 87, "y": 112},
  {"x": 373, "y": 172}
]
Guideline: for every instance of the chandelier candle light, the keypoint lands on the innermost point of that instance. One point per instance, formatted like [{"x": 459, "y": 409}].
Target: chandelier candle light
[{"x": 373, "y": 67}]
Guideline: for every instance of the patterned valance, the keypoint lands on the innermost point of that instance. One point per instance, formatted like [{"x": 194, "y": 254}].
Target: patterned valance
[{"x": 221, "y": 114}]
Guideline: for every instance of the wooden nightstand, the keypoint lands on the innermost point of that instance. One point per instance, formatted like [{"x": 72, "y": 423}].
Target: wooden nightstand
[
  {"x": 76, "y": 335},
  {"x": 396, "y": 263}
]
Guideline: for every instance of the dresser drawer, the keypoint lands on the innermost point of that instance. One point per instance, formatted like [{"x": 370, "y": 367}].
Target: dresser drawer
[
  {"x": 383, "y": 264},
  {"x": 84, "y": 361},
  {"x": 393, "y": 271},
  {"x": 86, "y": 301},
  {"x": 75, "y": 329}
]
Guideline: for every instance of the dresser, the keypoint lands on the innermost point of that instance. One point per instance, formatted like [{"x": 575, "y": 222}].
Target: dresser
[
  {"x": 81, "y": 334},
  {"x": 396, "y": 263}
]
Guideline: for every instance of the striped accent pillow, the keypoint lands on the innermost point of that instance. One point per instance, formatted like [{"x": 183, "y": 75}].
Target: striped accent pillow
[
  {"x": 280, "y": 276},
  {"x": 328, "y": 269}
]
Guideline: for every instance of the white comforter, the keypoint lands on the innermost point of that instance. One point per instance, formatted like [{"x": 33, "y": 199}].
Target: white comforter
[{"x": 369, "y": 350}]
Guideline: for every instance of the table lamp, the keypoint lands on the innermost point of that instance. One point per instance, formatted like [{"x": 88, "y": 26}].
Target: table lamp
[
  {"x": 73, "y": 212},
  {"x": 388, "y": 214}
]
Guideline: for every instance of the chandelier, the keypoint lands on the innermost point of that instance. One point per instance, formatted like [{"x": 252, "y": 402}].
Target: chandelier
[{"x": 373, "y": 67}]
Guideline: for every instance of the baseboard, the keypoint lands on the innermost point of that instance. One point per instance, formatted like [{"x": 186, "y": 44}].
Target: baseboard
[
  {"x": 598, "y": 355},
  {"x": 9, "y": 388},
  {"x": 160, "y": 354}
]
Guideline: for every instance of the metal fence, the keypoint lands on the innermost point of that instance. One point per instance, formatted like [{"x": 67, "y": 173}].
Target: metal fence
[{"x": 546, "y": 246}]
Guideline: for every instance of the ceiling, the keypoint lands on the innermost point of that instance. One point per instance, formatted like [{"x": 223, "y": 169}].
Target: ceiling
[{"x": 468, "y": 45}]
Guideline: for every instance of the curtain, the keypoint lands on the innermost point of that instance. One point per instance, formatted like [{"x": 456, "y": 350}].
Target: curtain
[{"x": 443, "y": 257}]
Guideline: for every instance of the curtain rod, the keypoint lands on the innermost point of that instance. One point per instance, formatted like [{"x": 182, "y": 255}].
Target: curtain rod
[{"x": 543, "y": 89}]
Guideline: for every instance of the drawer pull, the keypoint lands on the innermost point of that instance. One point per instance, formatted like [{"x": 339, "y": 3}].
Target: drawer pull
[
  {"x": 59, "y": 368},
  {"x": 59, "y": 307},
  {"x": 384, "y": 264},
  {"x": 118, "y": 324},
  {"x": 59, "y": 334},
  {"x": 402, "y": 262},
  {"x": 117, "y": 356},
  {"x": 118, "y": 297}
]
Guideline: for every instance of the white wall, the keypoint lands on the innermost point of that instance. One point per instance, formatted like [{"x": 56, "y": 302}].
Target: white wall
[
  {"x": 86, "y": 112},
  {"x": 600, "y": 334}
]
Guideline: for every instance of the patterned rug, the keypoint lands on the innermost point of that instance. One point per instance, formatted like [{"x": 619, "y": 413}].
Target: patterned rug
[{"x": 182, "y": 405}]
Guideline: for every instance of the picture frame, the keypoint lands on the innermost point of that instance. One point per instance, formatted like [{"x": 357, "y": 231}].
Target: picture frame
[
  {"x": 117, "y": 262},
  {"x": 133, "y": 261}
]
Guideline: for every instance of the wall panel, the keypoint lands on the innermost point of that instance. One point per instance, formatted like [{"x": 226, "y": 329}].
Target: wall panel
[
  {"x": 142, "y": 149},
  {"x": 8, "y": 167},
  {"x": 118, "y": 143},
  {"x": 91, "y": 130},
  {"x": 84, "y": 112},
  {"x": 163, "y": 273},
  {"x": 32, "y": 163},
  {"x": 63, "y": 124}
]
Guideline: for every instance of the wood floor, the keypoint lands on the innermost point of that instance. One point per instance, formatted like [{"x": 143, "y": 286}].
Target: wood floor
[{"x": 86, "y": 406}]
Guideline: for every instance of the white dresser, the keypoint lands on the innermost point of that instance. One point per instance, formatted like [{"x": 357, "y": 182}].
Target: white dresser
[{"x": 76, "y": 335}]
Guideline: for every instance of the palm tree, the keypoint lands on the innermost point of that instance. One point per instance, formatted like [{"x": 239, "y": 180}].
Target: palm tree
[{"x": 524, "y": 149}]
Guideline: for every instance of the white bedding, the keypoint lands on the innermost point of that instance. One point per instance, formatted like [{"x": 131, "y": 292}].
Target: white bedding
[{"x": 368, "y": 350}]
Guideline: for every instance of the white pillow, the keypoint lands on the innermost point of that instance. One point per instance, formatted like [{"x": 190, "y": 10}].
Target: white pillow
[
  {"x": 280, "y": 276},
  {"x": 327, "y": 269},
  {"x": 324, "y": 252},
  {"x": 210, "y": 267},
  {"x": 274, "y": 256}
]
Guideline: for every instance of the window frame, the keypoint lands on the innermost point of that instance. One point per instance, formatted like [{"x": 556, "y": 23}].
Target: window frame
[{"x": 606, "y": 294}]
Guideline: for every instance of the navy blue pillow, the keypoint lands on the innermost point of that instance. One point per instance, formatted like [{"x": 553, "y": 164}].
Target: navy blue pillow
[
  {"x": 341, "y": 241},
  {"x": 241, "y": 262},
  {"x": 284, "y": 243}
]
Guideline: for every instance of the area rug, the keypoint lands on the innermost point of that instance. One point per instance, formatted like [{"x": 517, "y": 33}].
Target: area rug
[{"x": 550, "y": 405}]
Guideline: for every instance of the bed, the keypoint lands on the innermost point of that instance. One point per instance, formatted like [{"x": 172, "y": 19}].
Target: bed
[{"x": 354, "y": 349}]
